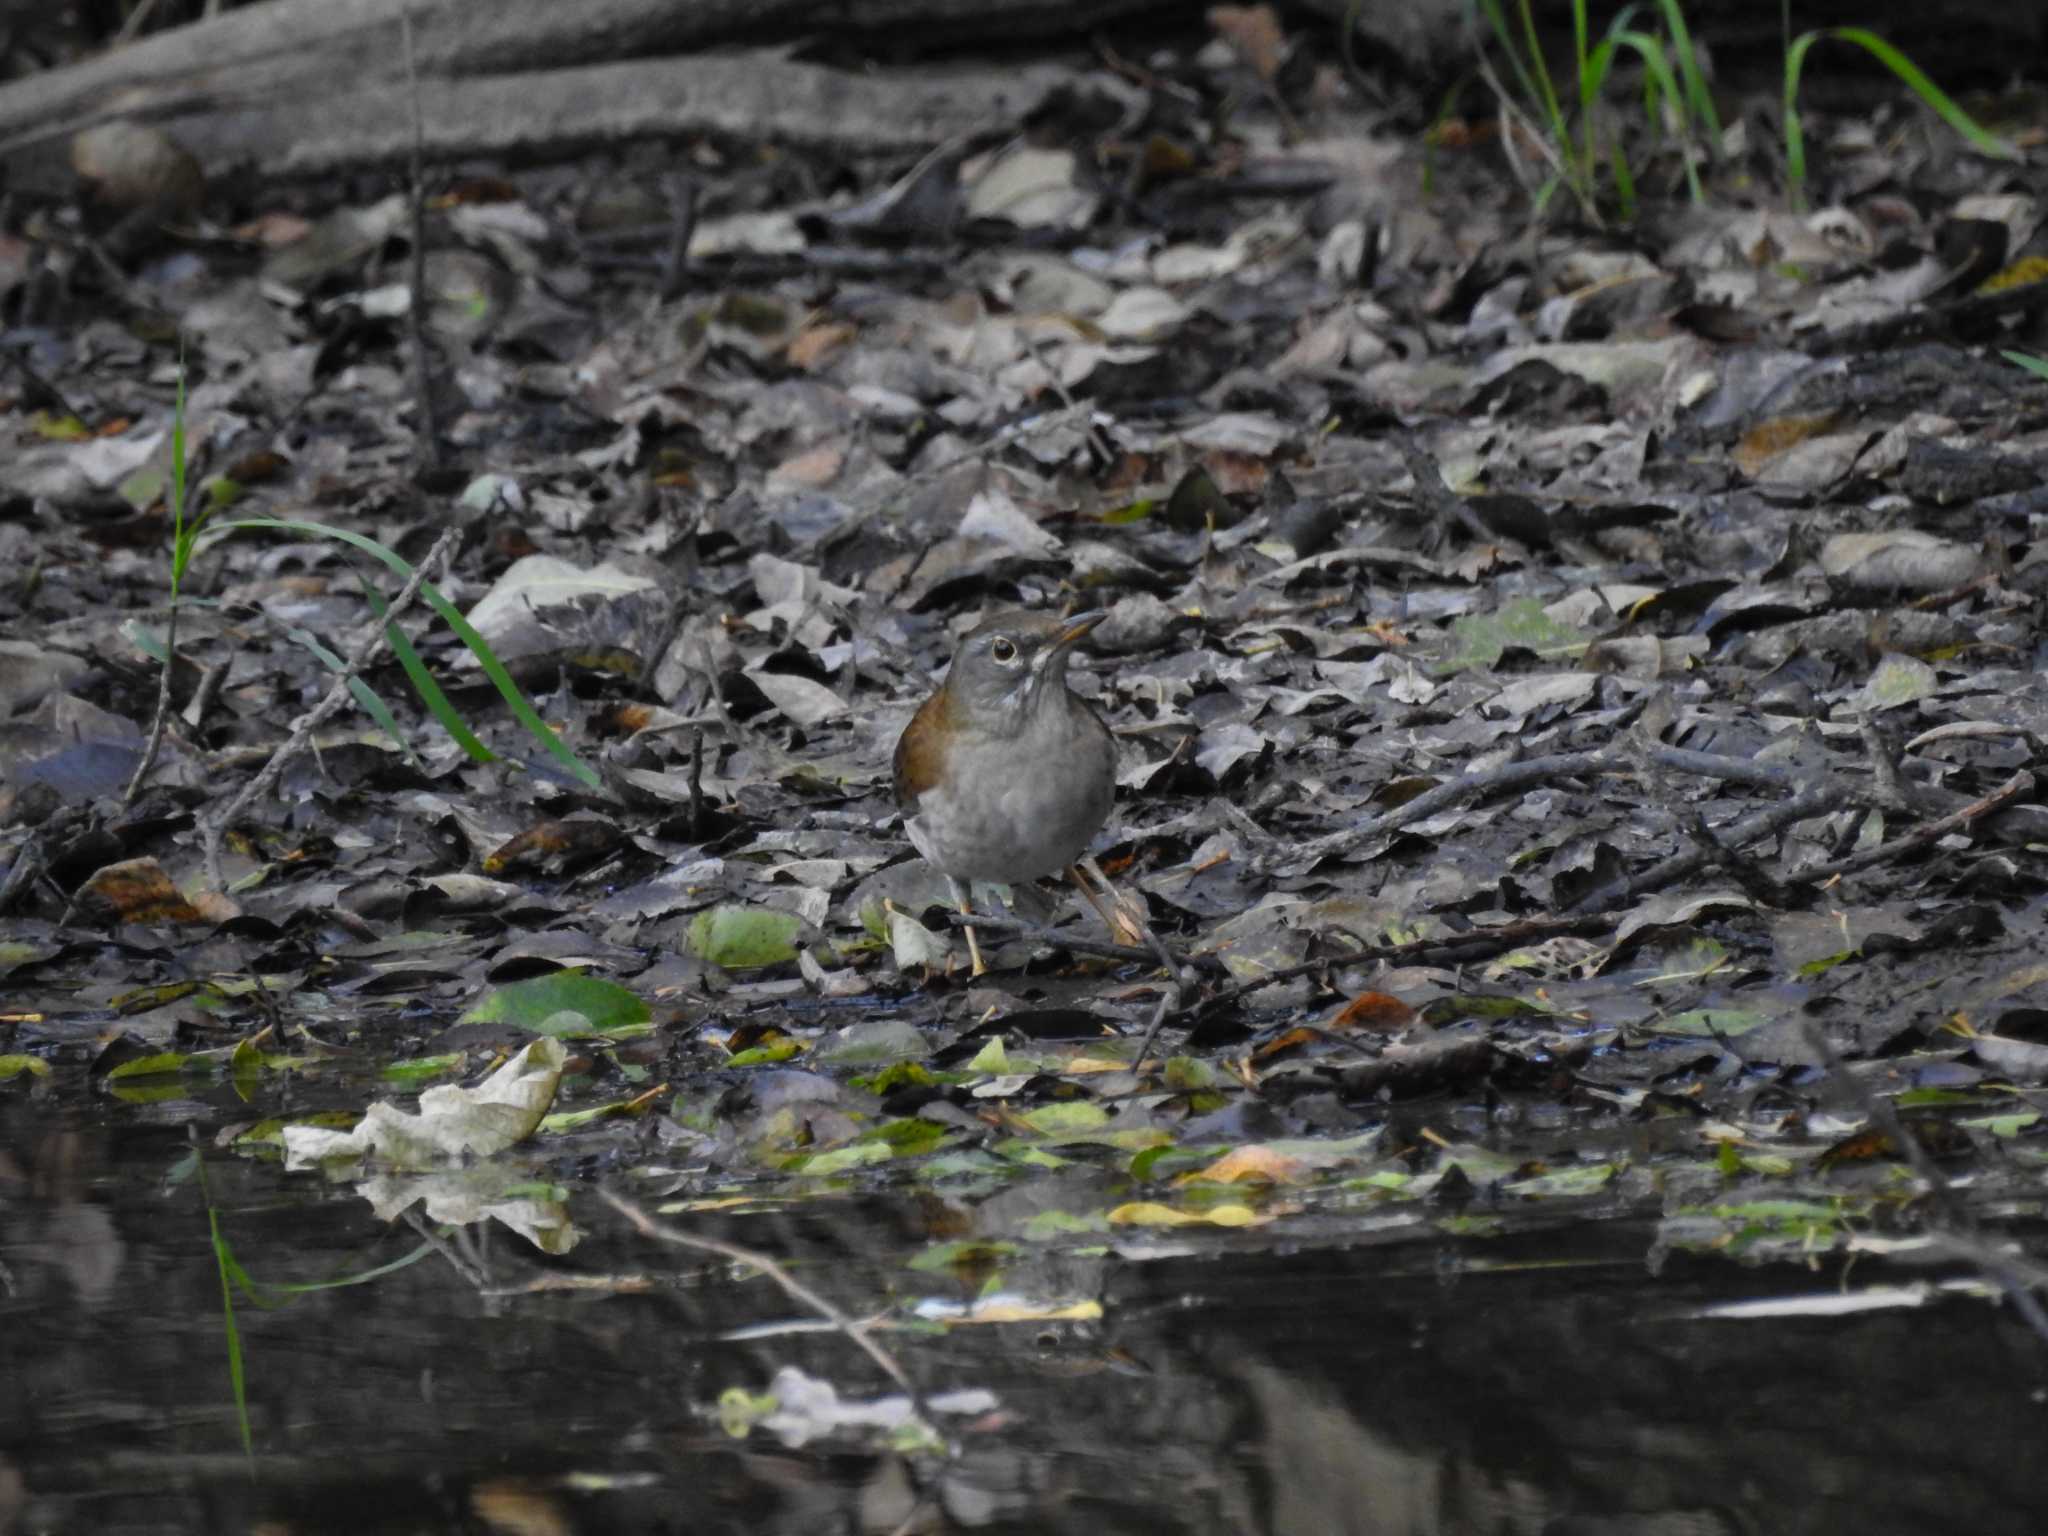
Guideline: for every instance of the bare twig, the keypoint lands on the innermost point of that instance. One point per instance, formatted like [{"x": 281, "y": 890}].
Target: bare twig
[
  {"x": 477, "y": 1279},
  {"x": 1094, "y": 948},
  {"x": 29, "y": 862},
  {"x": 2020, "y": 784},
  {"x": 697, "y": 784},
  {"x": 367, "y": 645},
  {"x": 675, "y": 266},
  {"x": 792, "y": 1287},
  {"x": 154, "y": 744},
  {"x": 1528, "y": 773},
  {"x": 1808, "y": 802},
  {"x": 1097, "y": 438},
  {"x": 427, "y": 441},
  {"x": 1167, "y": 1003},
  {"x": 203, "y": 696}
]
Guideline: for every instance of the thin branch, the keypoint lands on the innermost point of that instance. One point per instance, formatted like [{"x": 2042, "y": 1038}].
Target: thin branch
[
  {"x": 1530, "y": 772},
  {"x": 189, "y": 475},
  {"x": 2020, "y": 784},
  {"x": 675, "y": 266},
  {"x": 1095, "y": 949},
  {"x": 154, "y": 744},
  {"x": 427, "y": 441},
  {"x": 1815, "y": 801}
]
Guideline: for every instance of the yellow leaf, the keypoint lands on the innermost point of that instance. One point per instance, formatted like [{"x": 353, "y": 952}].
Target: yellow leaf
[{"x": 1243, "y": 1165}]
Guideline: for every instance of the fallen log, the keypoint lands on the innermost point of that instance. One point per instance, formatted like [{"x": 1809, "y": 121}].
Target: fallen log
[{"x": 308, "y": 87}]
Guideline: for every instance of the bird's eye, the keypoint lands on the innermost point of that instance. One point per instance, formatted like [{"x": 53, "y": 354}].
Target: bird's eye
[{"x": 1003, "y": 649}]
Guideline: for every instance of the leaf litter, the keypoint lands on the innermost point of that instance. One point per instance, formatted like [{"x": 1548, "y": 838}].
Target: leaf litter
[{"x": 1586, "y": 762}]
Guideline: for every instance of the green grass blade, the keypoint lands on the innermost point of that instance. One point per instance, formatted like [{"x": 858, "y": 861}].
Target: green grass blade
[
  {"x": 181, "y": 538},
  {"x": 1578, "y": 170},
  {"x": 1795, "y": 137},
  {"x": 494, "y": 669},
  {"x": 1540, "y": 103},
  {"x": 1589, "y": 90},
  {"x": 1700, "y": 100},
  {"x": 1930, "y": 93},
  {"x": 1497, "y": 21},
  {"x": 270, "y": 1297},
  {"x": 1662, "y": 80},
  {"x": 366, "y": 697},
  {"x": 360, "y": 1277},
  {"x": 224, "y": 1259},
  {"x": 423, "y": 684},
  {"x": 1540, "y": 68},
  {"x": 2038, "y": 366},
  {"x": 1593, "y": 76},
  {"x": 1624, "y": 185}
]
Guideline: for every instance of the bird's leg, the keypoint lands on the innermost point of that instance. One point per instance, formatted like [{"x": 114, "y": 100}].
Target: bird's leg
[{"x": 967, "y": 910}]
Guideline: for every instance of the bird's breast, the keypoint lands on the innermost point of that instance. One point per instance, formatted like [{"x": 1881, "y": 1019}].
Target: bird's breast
[{"x": 1013, "y": 809}]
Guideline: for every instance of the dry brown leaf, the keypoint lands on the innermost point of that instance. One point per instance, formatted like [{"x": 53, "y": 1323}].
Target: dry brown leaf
[
  {"x": 815, "y": 345},
  {"x": 139, "y": 891},
  {"x": 1764, "y": 442},
  {"x": 1236, "y": 474},
  {"x": 1376, "y": 1012},
  {"x": 1253, "y": 31},
  {"x": 813, "y": 469}
]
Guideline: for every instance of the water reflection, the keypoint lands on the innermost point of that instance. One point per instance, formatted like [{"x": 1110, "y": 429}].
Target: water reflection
[{"x": 1544, "y": 1384}]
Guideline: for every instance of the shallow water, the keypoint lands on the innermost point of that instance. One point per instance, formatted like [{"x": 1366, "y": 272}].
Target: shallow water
[{"x": 1343, "y": 1380}]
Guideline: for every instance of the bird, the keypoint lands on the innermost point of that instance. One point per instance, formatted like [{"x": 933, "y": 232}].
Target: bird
[{"x": 1005, "y": 774}]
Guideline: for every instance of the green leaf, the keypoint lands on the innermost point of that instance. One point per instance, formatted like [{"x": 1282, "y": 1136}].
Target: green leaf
[
  {"x": 58, "y": 429},
  {"x": 2005, "y": 1125},
  {"x": 421, "y": 1068},
  {"x": 1586, "y": 1180},
  {"x": 15, "y": 1066},
  {"x": 782, "y": 1049},
  {"x": 1793, "y": 1214},
  {"x": 151, "y": 1066},
  {"x": 857, "y": 1154},
  {"x": 1078, "y": 1118},
  {"x": 602, "y": 1007},
  {"x": 942, "y": 1257},
  {"x": 1480, "y": 639},
  {"x": 738, "y": 938},
  {"x": 992, "y": 1059}
]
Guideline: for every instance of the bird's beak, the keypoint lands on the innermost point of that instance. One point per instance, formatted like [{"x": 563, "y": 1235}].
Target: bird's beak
[{"x": 1077, "y": 628}]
